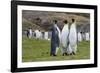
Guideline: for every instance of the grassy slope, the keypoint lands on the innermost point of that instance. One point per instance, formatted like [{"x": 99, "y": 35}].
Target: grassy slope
[{"x": 39, "y": 50}]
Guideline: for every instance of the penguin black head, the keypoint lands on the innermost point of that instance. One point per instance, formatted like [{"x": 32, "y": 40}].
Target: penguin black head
[
  {"x": 55, "y": 21},
  {"x": 73, "y": 20},
  {"x": 29, "y": 28},
  {"x": 65, "y": 21}
]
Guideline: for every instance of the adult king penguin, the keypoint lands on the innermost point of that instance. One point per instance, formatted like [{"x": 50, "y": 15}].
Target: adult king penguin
[
  {"x": 29, "y": 33},
  {"x": 37, "y": 33},
  {"x": 79, "y": 37},
  {"x": 87, "y": 36},
  {"x": 46, "y": 35},
  {"x": 64, "y": 39},
  {"x": 55, "y": 39},
  {"x": 73, "y": 37}
]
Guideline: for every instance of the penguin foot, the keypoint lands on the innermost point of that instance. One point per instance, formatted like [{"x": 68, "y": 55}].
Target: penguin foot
[
  {"x": 66, "y": 54},
  {"x": 53, "y": 55},
  {"x": 63, "y": 54},
  {"x": 73, "y": 53}
]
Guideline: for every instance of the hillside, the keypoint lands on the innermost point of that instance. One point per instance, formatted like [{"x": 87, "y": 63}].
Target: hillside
[{"x": 43, "y": 20}]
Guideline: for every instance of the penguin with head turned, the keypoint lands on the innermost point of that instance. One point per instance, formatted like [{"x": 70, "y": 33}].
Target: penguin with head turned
[
  {"x": 64, "y": 38},
  {"x": 55, "y": 39},
  {"x": 73, "y": 37}
]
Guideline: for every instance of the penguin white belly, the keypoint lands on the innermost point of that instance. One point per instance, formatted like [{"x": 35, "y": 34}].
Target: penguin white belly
[
  {"x": 40, "y": 35},
  {"x": 64, "y": 36},
  {"x": 83, "y": 36},
  {"x": 79, "y": 37},
  {"x": 64, "y": 39},
  {"x": 30, "y": 33},
  {"x": 87, "y": 36},
  {"x": 37, "y": 34},
  {"x": 46, "y": 35},
  {"x": 73, "y": 38}
]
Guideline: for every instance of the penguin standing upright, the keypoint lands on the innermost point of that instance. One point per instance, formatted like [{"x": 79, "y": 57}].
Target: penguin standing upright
[
  {"x": 30, "y": 33},
  {"x": 79, "y": 37},
  {"x": 40, "y": 34},
  {"x": 55, "y": 39},
  {"x": 46, "y": 35},
  {"x": 87, "y": 36},
  {"x": 73, "y": 37},
  {"x": 37, "y": 33},
  {"x": 64, "y": 39}
]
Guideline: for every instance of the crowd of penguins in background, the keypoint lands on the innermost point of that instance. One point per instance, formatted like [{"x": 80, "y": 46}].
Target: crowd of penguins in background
[{"x": 65, "y": 39}]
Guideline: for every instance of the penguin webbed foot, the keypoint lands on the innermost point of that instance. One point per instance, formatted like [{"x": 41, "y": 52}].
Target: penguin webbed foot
[
  {"x": 53, "y": 55},
  {"x": 73, "y": 53},
  {"x": 65, "y": 54}
]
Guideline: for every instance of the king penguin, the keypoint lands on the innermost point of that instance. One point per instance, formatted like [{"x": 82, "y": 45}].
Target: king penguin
[
  {"x": 64, "y": 39},
  {"x": 73, "y": 37}
]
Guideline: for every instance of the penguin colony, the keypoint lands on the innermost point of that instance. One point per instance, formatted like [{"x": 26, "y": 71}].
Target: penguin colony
[{"x": 65, "y": 39}]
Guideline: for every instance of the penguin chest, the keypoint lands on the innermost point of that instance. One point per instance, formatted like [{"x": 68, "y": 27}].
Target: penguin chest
[
  {"x": 79, "y": 37},
  {"x": 30, "y": 31},
  {"x": 73, "y": 36},
  {"x": 64, "y": 37},
  {"x": 46, "y": 35},
  {"x": 87, "y": 36}
]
